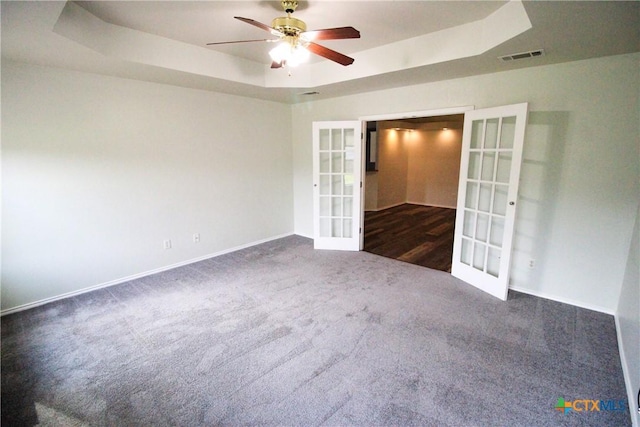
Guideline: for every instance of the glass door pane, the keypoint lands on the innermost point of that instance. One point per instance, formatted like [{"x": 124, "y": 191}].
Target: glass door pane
[{"x": 337, "y": 210}]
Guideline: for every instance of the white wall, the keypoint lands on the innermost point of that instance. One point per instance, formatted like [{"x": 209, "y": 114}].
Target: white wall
[
  {"x": 371, "y": 191},
  {"x": 392, "y": 167},
  {"x": 628, "y": 322},
  {"x": 98, "y": 171},
  {"x": 580, "y": 177},
  {"x": 434, "y": 167},
  {"x": 417, "y": 166}
]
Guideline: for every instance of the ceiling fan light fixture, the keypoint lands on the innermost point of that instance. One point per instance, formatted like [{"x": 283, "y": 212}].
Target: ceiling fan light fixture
[
  {"x": 290, "y": 54},
  {"x": 298, "y": 55},
  {"x": 280, "y": 52}
]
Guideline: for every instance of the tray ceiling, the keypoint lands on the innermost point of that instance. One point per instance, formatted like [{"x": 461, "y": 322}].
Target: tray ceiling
[{"x": 402, "y": 43}]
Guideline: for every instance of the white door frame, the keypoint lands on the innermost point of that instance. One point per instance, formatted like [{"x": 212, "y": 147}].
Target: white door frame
[{"x": 396, "y": 116}]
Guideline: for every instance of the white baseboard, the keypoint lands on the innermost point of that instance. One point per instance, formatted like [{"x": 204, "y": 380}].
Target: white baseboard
[
  {"x": 137, "y": 276},
  {"x": 631, "y": 393},
  {"x": 563, "y": 300}
]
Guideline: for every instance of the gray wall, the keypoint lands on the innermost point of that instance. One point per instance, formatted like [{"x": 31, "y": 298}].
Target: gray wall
[{"x": 98, "y": 171}]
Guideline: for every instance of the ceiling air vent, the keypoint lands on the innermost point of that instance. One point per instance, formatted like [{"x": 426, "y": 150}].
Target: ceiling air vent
[{"x": 522, "y": 55}]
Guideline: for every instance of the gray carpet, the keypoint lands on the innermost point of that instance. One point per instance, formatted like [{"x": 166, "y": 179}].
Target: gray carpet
[{"x": 280, "y": 334}]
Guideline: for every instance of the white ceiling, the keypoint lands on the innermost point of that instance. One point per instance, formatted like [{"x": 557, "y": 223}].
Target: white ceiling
[
  {"x": 199, "y": 23},
  {"x": 402, "y": 42}
]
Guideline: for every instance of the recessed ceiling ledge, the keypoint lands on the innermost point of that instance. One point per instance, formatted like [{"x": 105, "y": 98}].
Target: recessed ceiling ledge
[
  {"x": 462, "y": 41},
  {"x": 450, "y": 44},
  {"x": 80, "y": 26}
]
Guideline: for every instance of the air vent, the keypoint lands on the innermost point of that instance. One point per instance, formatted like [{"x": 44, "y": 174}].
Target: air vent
[{"x": 522, "y": 55}]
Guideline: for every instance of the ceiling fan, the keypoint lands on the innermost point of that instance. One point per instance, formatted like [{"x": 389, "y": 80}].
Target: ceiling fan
[{"x": 295, "y": 41}]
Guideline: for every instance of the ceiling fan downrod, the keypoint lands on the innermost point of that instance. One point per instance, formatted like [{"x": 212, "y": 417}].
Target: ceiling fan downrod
[{"x": 289, "y": 6}]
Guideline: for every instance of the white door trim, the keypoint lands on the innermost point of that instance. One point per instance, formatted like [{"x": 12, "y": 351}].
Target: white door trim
[
  {"x": 416, "y": 114},
  {"x": 396, "y": 116}
]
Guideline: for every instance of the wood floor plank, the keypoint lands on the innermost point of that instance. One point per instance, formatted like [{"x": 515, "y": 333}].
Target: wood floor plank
[{"x": 421, "y": 235}]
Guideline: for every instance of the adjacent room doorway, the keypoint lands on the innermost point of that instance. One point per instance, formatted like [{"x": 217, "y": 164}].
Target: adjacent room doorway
[
  {"x": 411, "y": 182},
  {"x": 488, "y": 181}
]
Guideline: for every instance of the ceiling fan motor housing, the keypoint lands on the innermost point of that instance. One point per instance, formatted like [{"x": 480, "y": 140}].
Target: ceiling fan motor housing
[{"x": 289, "y": 26}]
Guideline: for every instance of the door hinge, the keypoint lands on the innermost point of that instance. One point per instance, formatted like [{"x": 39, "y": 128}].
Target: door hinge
[
  {"x": 360, "y": 184},
  {"x": 360, "y": 230}
]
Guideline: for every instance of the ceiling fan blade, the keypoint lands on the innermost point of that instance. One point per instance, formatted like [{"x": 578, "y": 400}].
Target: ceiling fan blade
[
  {"x": 329, "y": 54},
  {"x": 259, "y": 25},
  {"x": 331, "y": 34},
  {"x": 244, "y": 41}
]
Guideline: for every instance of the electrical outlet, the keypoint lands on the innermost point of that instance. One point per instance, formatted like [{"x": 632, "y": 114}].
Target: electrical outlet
[
  {"x": 196, "y": 238},
  {"x": 532, "y": 263},
  {"x": 167, "y": 244}
]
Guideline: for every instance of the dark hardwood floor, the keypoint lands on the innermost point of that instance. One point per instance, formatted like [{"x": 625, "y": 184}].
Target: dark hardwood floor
[{"x": 421, "y": 235}]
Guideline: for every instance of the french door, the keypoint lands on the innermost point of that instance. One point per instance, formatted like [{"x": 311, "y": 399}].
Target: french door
[
  {"x": 487, "y": 196},
  {"x": 337, "y": 171}
]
